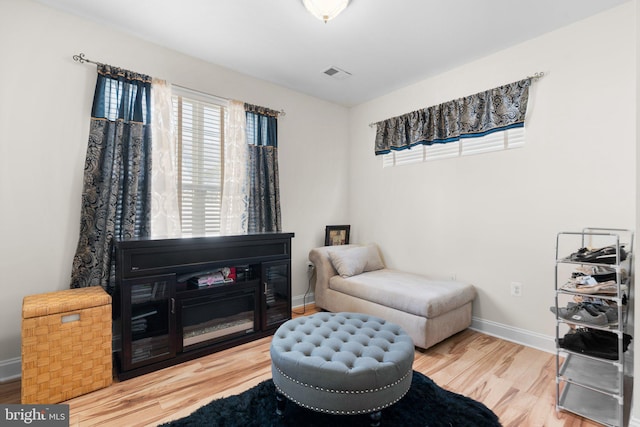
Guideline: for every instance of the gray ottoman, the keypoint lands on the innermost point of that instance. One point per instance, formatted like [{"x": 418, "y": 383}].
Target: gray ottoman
[{"x": 341, "y": 363}]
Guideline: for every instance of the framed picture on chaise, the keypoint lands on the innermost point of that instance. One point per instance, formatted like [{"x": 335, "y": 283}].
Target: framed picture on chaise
[{"x": 336, "y": 235}]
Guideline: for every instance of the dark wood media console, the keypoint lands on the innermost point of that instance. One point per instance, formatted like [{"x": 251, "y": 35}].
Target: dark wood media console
[{"x": 164, "y": 315}]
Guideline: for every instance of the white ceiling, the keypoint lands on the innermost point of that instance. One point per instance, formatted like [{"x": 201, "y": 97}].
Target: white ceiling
[{"x": 384, "y": 44}]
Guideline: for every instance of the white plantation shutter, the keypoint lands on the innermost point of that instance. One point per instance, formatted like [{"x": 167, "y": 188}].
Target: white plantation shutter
[
  {"x": 404, "y": 157},
  {"x": 412, "y": 155},
  {"x": 485, "y": 144},
  {"x": 200, "y": 132},
  {"x": 442, "y": 151},
  {"x": 510, "y": 138},
  {"x": 388, "y": 160},
  {"x": 515, "y": 138}
]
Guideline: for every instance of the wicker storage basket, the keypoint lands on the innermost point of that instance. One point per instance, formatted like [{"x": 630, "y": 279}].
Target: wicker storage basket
[{"x": 66, "y": 344}]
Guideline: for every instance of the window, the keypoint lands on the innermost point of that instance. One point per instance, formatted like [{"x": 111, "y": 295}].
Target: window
[
  {"x": 505, "y": 140},
  {"x": 199, "y": 121}
]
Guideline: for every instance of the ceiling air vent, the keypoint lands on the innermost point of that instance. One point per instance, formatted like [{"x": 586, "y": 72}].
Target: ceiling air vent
[{"x": 337, "y": 73}]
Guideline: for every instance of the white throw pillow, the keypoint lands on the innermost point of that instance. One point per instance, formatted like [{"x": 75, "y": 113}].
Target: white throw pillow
[
  {"x": 356, "y": 260},
  {"x": 373, "y": 258}
]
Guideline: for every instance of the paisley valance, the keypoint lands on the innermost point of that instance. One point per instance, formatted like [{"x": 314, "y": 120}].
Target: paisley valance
[
  {"x": 261, "y": 110},
  {"x": 476, "y": 115}
]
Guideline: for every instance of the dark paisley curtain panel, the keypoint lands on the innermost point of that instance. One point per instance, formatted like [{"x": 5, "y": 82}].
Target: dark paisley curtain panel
[
  {"x": 264, "y": 187},
  {"x": 476, "y": 115},
  {"x": 116, "y": 198}
]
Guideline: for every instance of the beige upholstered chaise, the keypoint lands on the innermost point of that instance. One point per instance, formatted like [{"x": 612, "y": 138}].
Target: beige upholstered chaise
[{"x": 353, "y": 278}]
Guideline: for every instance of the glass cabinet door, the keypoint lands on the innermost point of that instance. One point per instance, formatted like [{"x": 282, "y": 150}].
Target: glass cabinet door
[
  {"x": 276, "y": 293},
  {"x": 149, "y": 310}
]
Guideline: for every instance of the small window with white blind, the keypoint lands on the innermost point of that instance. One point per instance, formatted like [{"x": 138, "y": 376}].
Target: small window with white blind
[
  {"x": 199, "y": 122},
  {"x": 508, "y": 139}
]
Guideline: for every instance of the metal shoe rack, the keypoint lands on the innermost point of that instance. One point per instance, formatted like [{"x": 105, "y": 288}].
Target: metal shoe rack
[{"x": 592, "y": 387}]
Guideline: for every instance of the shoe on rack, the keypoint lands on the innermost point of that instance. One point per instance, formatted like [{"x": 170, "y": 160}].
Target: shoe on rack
[
  {"x": 611, "y": 313},
  {"x": 605, "y": 255},
  {"x": 604, "y": 288},
  {"x": 608, "y": 288},
  {"x": 605, "y": 277},
  {"x": 599, "y": 272},
  {"x": 596, "y": 343},
  {"x": 578, "y": 313}
]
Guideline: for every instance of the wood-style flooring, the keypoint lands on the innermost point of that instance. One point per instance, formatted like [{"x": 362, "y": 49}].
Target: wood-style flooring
[{"x": 516, "y": 382}]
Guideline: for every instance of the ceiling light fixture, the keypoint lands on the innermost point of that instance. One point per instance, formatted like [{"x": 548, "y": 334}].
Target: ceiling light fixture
[{"x": 325, "y": 10}]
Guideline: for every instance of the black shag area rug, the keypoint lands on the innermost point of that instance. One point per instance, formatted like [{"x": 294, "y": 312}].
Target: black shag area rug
[{"x": 426, "y": 404}]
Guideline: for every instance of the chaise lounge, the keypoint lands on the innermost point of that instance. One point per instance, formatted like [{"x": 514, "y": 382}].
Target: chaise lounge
[{"x": 353, "y": 278}]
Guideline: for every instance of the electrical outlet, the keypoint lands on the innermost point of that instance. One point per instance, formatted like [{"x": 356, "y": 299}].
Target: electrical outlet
[{"x": 516, "y": 289}]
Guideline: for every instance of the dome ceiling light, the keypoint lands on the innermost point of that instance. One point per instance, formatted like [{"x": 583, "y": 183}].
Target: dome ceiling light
[{"x": 325, "y": 10}]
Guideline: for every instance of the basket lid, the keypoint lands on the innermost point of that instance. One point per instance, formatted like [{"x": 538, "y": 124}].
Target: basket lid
[{"x": 64, "y": 301}]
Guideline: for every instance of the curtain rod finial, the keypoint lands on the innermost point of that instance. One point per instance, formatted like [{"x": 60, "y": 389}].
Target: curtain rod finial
[
  {"x": 80, "y": 58},
  {"x": 537, "y": 76}
]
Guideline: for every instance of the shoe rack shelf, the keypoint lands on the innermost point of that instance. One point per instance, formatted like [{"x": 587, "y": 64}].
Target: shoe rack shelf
[{"x": 593, "y": 384}]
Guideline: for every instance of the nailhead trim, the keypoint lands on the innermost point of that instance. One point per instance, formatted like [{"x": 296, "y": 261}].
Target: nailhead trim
[
  {"x": 327, "y": 390},
  {"x": 342, "y": 412}
]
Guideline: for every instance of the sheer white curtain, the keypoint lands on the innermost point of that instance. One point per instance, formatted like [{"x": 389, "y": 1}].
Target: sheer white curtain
[
  {"x": 233, "y": 216},
  {"x": 165, "y": 207}
]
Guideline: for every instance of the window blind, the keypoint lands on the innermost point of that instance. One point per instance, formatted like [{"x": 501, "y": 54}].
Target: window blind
[
  {"x": 200, "y": 133},
  {"x": 503, "y": 140}
]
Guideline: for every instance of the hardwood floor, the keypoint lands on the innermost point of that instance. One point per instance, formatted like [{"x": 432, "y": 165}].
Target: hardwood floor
[{"x": 516, "y": 382}]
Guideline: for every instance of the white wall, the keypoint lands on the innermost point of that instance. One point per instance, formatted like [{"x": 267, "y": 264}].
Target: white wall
[
  {"x": 45, "y": 101},
  {"x": 492, "y": 219}
]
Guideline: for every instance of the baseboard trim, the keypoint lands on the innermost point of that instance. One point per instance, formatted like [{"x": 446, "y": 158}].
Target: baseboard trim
[
  {"x": 542, "y": 342},
  {"x": 300, "y": 301},
  {"x": 10, "y": 369}
]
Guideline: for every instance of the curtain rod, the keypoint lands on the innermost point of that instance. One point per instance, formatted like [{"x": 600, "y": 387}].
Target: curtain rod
[
  {"x": 536, "y": 76},
  {"x": 81, "y": 59}
]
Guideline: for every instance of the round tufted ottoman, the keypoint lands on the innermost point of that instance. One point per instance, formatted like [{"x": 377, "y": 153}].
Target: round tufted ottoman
[{"x": 341, "y": 363}]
